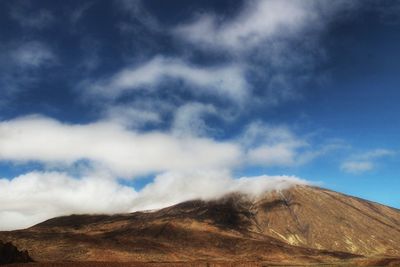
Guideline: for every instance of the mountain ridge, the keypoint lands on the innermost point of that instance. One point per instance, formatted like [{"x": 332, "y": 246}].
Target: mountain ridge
[{"x": 303, "y": 224}]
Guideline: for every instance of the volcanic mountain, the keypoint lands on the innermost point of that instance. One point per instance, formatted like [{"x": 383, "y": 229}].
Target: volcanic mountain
[{"x": 300, "y": 225}]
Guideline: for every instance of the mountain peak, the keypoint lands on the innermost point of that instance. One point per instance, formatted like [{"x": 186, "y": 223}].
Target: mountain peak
[{"x": 298, "y": 224}]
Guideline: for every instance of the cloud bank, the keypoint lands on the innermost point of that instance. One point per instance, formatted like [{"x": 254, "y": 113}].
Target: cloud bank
[
  {"x": 186, "y": 167},
  {"x": 123, "y": 152},
  {"x": 36, "y": 196},
  {"x": 129, "y": 153}
]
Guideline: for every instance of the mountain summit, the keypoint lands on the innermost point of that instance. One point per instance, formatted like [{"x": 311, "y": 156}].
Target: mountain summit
[{"x": 303, "y": 224}]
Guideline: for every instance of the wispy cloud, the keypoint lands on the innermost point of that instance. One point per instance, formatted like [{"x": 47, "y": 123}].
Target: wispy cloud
[
  {"x": 32, "y": 54},
  {"x": 223, "y": 81},
  {"x": 278, "y": 145},
  {"x": 266, "y": 37},
  {"x": 258, "y": 21},
  {"x": 21, "y": 64},
  {"x": 78, "y": 13},
  {"x": 189, "y": 119},
  {"x": 365, "y": 162},
  {"x": 138, "y": 13},
  {"x": 357, "y": 166},
  {"x": 132, "y": 116},
  {"x": 22, "y": 12}
]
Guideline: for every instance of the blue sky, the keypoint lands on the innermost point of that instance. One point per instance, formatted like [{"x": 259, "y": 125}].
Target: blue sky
[{"x": 126, "y": 105}]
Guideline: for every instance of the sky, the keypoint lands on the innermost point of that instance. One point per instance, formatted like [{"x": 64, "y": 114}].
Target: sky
[{"x": 118, "y": 106}]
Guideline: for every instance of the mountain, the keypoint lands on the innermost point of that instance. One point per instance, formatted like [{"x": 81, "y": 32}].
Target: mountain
[{"x": 301, "y": 225}]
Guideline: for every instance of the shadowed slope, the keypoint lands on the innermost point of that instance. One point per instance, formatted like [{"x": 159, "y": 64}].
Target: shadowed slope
[{"x": 10, "y": 254}]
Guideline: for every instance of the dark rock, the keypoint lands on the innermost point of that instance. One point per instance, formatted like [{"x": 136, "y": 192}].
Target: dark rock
[{"x": 10, "y": 254}]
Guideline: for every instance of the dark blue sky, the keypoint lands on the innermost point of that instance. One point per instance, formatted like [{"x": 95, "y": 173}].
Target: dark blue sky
[{"x": 308, "y": 89}]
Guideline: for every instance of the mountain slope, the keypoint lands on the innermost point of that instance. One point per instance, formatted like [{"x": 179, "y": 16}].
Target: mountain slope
[
  {"x": 300, "y": 225},
  {"x": 323, "y": 219}
]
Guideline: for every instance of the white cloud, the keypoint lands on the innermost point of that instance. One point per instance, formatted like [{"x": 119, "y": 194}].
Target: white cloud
[
  {"x": 357, "y": 166},
  {"x": 272, "y": 145},
  {"x": 374, "y": 154},
  {"x": 139, "y": 113},
  {"x": 272, "y": 155},
  {"x": 132, "y": 116},
  {"x": 267, "y": 38},
  {"x": 126, "y": 153},
  {"x": 258, "y": 21},
  {"x": 258, "y": 132},
  {"x": 277, "y": 68},
  {"x": 224, "y": 81},
  {"x": 171, "y": 188},
  {"x": 278, "y": 145},
  {"x": 33, "y": 197},
  {"x": 188, "y": 119},
  {"x": 364, "y": 162}
]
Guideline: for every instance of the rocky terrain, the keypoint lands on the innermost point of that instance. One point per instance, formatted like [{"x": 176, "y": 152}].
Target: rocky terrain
[
  {"x": 10, "y": 254},
  {"x": 301, "y": 225}
]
